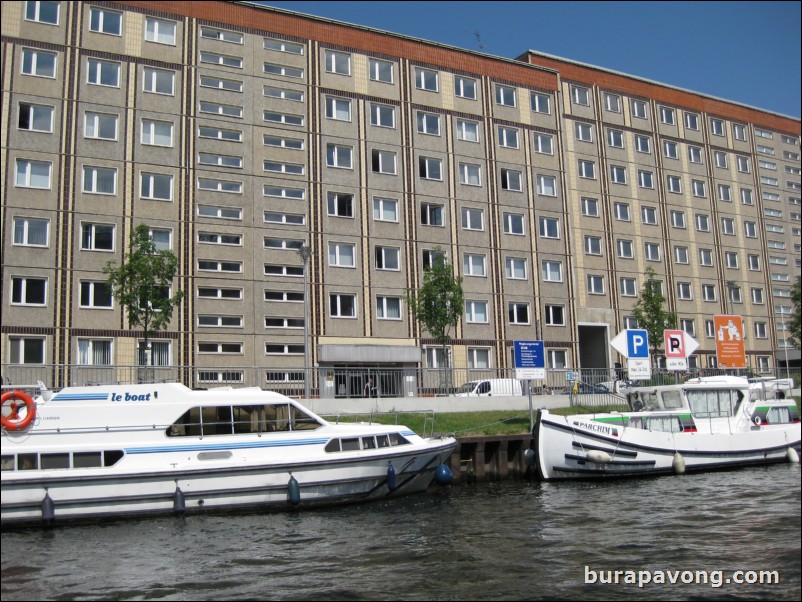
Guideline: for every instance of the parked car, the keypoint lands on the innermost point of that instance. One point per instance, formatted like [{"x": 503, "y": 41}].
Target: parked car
[
  {"x": 583, "y": 388},
  {"x": 490, "y": 387}
]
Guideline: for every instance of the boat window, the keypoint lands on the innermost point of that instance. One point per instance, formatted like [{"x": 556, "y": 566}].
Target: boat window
[
  {"x": 333, "y": 445},
  {"x": 664, "y": 424},
  {"x": 7, "y": 462},
  {"x": 59, "y": 460},
  {"x": 350, "y": 444},
  {"x": 301, "y": 421},
  {"x": 778, "y": 416},
  {"x": 643, "y": 400},
  {"x": 714, "y": 403},
  {"x": 396, "y": 439},
  {"x": 86, "y": 459},
  {"x": 111, "y": 457},
  {"x": 383, "y": 441},
  {"x": 217, "y": 420},
  {"x": 27, "y": 462},
  {"x": 672, "y": 400},
  {"x": 368, "y": 443}
]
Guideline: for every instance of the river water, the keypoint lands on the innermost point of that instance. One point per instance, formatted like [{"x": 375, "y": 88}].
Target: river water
[{"x": 510, "y": 540}]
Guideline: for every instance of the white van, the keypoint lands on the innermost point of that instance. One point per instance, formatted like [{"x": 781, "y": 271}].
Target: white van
[{"x": 491, "y": 387}]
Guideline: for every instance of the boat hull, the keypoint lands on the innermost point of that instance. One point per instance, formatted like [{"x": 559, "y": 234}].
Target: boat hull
[
  {"x": 575, "y": 447},
  {"x": 54, "y": 497}
]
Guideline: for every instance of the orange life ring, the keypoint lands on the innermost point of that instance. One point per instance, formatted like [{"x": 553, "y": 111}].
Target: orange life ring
[{"x": 13, "y": 422}]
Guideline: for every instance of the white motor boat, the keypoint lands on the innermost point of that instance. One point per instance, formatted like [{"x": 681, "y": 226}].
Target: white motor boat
[
  {"x": 87, "y": 453},
  {"x": 702, "y": 424}
]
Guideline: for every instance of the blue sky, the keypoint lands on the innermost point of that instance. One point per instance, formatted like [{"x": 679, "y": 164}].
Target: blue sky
[{"x": 747, "y": 52}]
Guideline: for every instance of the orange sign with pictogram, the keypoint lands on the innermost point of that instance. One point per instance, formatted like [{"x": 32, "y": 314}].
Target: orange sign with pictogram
[{"x": 730, "y": 350}]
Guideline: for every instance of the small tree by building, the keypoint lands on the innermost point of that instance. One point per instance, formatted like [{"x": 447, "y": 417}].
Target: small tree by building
[
  {"x": 142, "y": 284},
  {"x": 650, "y": 313},
  {"x": 438, "y": 305},
  {"x": 794, "y": 325}
]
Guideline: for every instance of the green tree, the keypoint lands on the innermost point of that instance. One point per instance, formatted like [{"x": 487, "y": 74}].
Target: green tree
[
  {"x": 795, "y": 323},
  {"x": 142, "y": 283},
  {"x": 649, "y": 312},
  {"x": 438, "y": 305}
]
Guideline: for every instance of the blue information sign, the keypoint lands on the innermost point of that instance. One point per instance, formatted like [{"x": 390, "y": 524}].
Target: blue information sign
[
  {"x": 637, "y": 343},
  {"x": 530, "y": 359}
]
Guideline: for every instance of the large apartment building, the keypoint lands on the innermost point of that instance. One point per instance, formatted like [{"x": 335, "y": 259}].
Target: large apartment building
[{"x": 240, "y": 134}]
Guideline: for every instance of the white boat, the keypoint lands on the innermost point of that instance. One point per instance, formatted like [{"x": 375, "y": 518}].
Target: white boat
[
  {"x": 86, "y": 453},
  {"x": 702, "y": 424}
]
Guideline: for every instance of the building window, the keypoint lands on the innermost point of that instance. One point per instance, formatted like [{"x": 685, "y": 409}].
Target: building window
[
  {"x": 382, "y": 115},
  {"x": 670, "y": 149},
  {"x": 627, "y": 287},
  {"x": 38, "y": 63},
  {"x": 385, "y": 210},
  {"x": 211, "y": 211},
  {"x": 695, "y": 154},
  {"x": 595, "y": 284},
  {"x": 698, "y": 188},
  {"x": 214, "y": 108},
  {"x": 338, "y": 62},
  {"x": 645, "y": 179},
  {"x": 212, "y": 33},
  {"x": 612, "y": 102},
  {"x": 743, "y": 164},
  {"x": 692, "y": 121},
  {"x": 226, "y": 267},
  {"x": 474, "y": 265},
  {"x": 476, "y": 312},
  {"x": 706, "y": 257},
  {"x": 505, "y": 95},
  {"x": 551, "y": 271},
  {"x": 338, "y": 108},
  {"x": 282, "y": 142},
  {"x": 746, "y": 196},
  {"x": 31, "y": 232},
  {"x": 341, "y": 255},
  {"x": 593, "y": 245},
  {"x": 677, "y": 219},
  {"x": 281, "y": 46},
  {"x": 728, "y": 226},
  {"x": 515, "y": 268},
  {"x": 230, "y": 85},
  {"x": 513, "y": 223},
  {"x": 219, "y": 348},
  {"x": 546, "y": 185},
  {"x": 716, "y": 127},
  {"x": 388, "y": 308},
  {"x": 587, "y": 169},
  {"x": 554, "y": 315},
  {"x": 430, "y": 168},
  {"x": 757, "y": 296},
  {"x": 380, "y": 71},
  {"x": 639, "y": 109},
  {"x": 684, "y": 291},
  {"x": 339, "y": 156},
  {"x": 157, "y": 133},
  {"x": 219, "y": 160},
  {"x": 472, "y": 219},
  {"x": 674, "y": 184},
  {"x": 549, "y": 227},
  {"x": 42, "y": 12},
  {"x": 750, "y": 229},
  {"x": 283, "y": 70},
  {"x": 28, "y": 291},
  {"x": 295, "y": 169},
  {"x": 97, "y": 237},
  {"x": 615, "y": 138},
  {"x": 100, "y": 126},
  {"x": 508, "y": 137},
  {"x": 624, "y": 249},
  {"x": 25, "y": 350},
  {"x": 667, "y": 115},
  {"x": 590, "y": 207},
  {"x": 618, "y": 174},
  {"x": 225, "y": 60},
  {"x": 702, "y": 222},
  {"x": 643, "y": 144},
  {"x": 35, "y": 118},
  {"x": 724, "y": 193},
  {"x": 103, "y": 73},
  {"x": 652, "y": 251},
  {"x": 511, "y": 180},
  {"x": 387, "y": 258},
  {"x": 160, "y": 31},
  {"x": 544, "y": 144},
  {"x": 467, "y": 130},
  {"x": 428, "y": 123},
  {"x": 621, "y": 211},
  {"x": 426, "y": 79},
  {"x": 754, "y": 262},
  {"x": 469, "y": 174},
  {"x": 583, "y": 132},
  {"x": 518, "y": 313},
  {"x": 709, "y": 292},
  {"x": 94, "y": 352},
  {"x": 342, "y": 305},
  {"x": 99, "y": 180},
  {"x": 95, "y": 295},
  {"x": 541, "y": 103},
  {"x": 383, "y": 162},
  {"x": 580, "y": 95},
  {"x": 431, "y": 215},
  {"x": 340, "y": 204},
  {"x": 739, "y": 132}
]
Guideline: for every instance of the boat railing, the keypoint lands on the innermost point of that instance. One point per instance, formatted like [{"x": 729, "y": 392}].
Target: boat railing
[{"x": 422, "y": 421}]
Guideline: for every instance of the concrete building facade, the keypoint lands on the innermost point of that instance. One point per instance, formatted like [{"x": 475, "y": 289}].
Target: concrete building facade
[{"x": 241, "y": 133}]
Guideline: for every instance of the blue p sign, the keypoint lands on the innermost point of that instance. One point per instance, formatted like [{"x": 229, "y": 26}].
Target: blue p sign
[{"x": 637, "y": 344}]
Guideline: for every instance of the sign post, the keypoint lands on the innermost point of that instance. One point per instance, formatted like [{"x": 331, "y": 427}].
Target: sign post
[
  {"x": 730, "y": 350},
  {"x": 530, "y": 363},
  {"x": 633, "y": 344}
]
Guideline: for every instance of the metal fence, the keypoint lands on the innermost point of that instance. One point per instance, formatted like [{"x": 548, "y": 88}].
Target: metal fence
[{"x": 343, "y": 382}]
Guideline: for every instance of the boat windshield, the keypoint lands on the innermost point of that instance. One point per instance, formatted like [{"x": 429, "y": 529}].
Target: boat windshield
[
  {"x": 714, "y": 403},
  {"x": 228, "y": 420}
]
